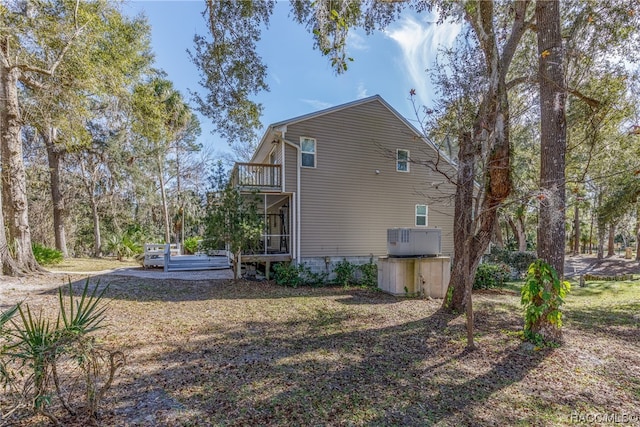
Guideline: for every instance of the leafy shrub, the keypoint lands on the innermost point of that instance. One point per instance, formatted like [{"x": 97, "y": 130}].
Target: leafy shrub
[
  {"x": 191, "y": 244},
  {"x": 491, "y": 276},
  {"x": 369, "y": 274},
  {"x": 345, "y": 272},
  {"x": 311, "y": 278},
  {"x": 542, "y": 296},
  {"x": 53, "y": 368},
  {"x": 46, "y": 256},
  {"x": 126, "y": 244},
  {"x": 287, "y": 274},
  {"x": 294, "y": 275},
  {"x": 518, "y": 261}
]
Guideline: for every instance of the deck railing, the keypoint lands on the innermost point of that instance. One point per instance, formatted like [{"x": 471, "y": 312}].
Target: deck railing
[{"x": 262, "y": 176}]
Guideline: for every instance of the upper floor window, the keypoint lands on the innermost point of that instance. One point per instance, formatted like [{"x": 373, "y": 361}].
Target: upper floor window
[
  {"x": 422, "y": 214},
  {"x": 402, "y": 160},
  {"x": 308, "y": 151}
]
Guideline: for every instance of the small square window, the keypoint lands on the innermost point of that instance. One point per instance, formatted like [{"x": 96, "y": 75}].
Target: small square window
[
  {"x": 402, "y": 160},
  {"x": 308, "y": 152},
  {"x": 422, "y": 214}
]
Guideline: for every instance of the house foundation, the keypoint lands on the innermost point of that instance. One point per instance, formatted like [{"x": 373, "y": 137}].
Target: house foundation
[{"x": 327, "y": 264}]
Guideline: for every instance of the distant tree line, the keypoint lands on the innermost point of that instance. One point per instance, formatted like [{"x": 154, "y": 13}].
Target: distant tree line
[{"x": 98, "y": 148}]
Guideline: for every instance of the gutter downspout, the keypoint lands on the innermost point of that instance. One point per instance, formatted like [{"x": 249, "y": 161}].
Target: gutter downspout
[{"x": 297, "y": 255}]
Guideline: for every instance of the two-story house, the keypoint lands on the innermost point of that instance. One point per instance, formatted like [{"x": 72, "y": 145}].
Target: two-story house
[{"x": 332, "y": 182}]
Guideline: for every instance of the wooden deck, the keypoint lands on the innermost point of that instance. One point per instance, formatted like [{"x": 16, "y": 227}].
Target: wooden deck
[
  {"x": 266, "y": 257},
  {"x": 169, "y": 258},
  {"x": 196, "y": 262},
  {"x": 262, "y": 177}
]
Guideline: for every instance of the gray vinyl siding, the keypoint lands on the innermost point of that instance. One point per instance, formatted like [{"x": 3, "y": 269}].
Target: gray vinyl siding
[
  {"x": 346, "y": 207},
  {"x": 291, "y": 164}
]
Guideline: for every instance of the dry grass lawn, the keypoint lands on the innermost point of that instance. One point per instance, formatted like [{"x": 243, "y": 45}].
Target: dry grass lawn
[
  {"x": 221, "y": 353},
  {"x": 92, "y": 264}
]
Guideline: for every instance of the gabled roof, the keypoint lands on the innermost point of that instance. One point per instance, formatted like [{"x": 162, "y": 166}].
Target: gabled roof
[{"x": 374, "y": 98}]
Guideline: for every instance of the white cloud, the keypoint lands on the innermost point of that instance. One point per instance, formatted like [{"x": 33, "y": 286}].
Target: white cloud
[
  {"x": 275, "y": 78},
  {"x": 419, "y": 43},
  {"x": 362, "y": 91},
  {"x": 356, "y": 42},
  {"x": 317, "y": 104}
]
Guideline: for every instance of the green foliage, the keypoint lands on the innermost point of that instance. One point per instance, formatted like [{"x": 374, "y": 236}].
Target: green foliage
[
  {"x": 232, "y": 218},
  {"x": 491, "y": 276},
  {"x": 345, "y": 273},
  {"x": 542, "y": 296},
  {"x": 239, "y": 72},
  {"x": 518, "y": 261},
  {"x": 46, "y": 256},
  {"x": 58, "y": 363},
  {"x": 294, "y": 275},
  {"x": 449, "y": 297},
  {"x": 369, "y": 274},
  {"x": 312, "y": 278},
  {"x": 5, "y": 317},
  {"x": 287, "y": 274},
  {"x": 126, "y": 244},
  {"x": 191, "y": 244}
]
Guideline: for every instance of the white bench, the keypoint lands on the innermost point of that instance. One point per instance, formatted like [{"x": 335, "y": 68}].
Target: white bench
[{"x": 154, "y": 253}]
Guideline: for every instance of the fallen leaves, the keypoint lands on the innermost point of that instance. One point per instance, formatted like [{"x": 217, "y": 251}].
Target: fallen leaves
[{"x": 223, "y": 353}]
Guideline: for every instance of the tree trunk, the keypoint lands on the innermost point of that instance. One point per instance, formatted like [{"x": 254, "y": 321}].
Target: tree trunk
[
  {"x": 576, "y": 230},
  {"x": 14, "y": 181},
  {"x": 601, "y": 233},
  {"x": 54, "y": 156},
  {"x": 499, "y": 241},
  {"x": 519, "y": 232},
  {"x": 9, "y": 266},
  {"x": 638, "y": 235},
  {"x": 180, "y": 202},
  {"x": 551, "y": 229},
  {"x": 462, "y": 273},
  {"x": 611, "y": 249},
  {"x": 553, "y": 145},
  {"x": 165, "y": 204},
  {"x": 490, "y": 140},
  {"x": 522, "y": 235},
  {"x": 97, "y": 238},
  {"x": 89, "y": 182}
]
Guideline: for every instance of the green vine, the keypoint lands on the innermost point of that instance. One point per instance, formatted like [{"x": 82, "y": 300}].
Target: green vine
[{"x": 542, "y": 296}]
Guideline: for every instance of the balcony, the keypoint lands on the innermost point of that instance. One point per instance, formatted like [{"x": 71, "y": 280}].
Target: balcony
[{"x": 261, "y": 177}]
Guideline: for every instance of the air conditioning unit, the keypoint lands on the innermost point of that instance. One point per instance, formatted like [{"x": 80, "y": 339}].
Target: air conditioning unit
[{"x": 414, "y": 242}]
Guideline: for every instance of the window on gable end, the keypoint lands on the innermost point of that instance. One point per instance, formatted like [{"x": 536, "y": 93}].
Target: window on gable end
[
  {"x": 422, "y": 215},
  {"x": 402, "y": 160},
  {"x": 308, "y": 152}
]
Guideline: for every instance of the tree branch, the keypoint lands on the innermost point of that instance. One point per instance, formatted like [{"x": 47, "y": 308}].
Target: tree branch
[
  {"x": 52, "y": 69},
  {"x": 518, "y": 81},
  {"x": 517, "y": 30},
  {"x": 31, "y": 83},
  {"x": 593, "y": 103}
]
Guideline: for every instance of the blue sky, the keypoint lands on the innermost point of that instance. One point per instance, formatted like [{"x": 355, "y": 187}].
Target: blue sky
[{"x": 300, "y": 78}]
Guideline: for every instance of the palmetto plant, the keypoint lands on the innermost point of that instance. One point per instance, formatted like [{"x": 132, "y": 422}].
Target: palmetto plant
[
  {"x": 5, "y": 316},
  {"x": 62, "y": 365}
]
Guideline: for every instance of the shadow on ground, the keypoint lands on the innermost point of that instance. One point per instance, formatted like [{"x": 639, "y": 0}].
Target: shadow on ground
[{"x": 318, "y": 370}]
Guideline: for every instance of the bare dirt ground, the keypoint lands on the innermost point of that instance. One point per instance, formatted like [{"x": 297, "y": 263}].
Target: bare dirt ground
[
  {"x": 610, "y": 266},
  {"x": 205, "y": 352}
]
